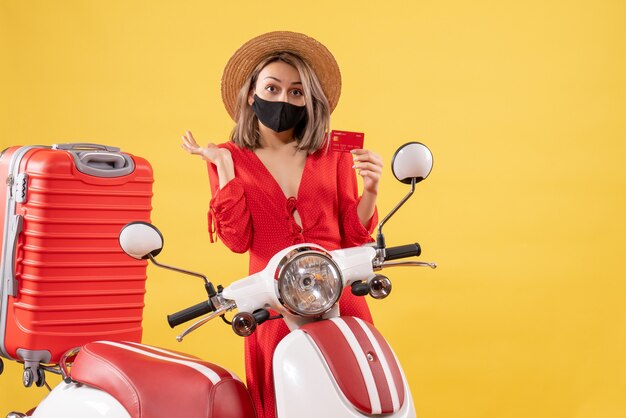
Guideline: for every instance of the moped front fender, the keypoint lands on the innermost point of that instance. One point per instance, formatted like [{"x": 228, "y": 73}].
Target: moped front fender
[{"x": 363, "y": 380}]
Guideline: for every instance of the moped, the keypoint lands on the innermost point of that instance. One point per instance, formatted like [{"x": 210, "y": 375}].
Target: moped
[{"x": 327, "y": 366}]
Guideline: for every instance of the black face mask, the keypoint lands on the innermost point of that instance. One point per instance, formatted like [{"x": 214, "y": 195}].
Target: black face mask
[{"x": 278, "y": 116}]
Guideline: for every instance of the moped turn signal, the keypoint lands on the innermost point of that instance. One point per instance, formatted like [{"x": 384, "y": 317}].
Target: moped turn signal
[
  {"x": 244, "y": 324},
  {"x": 380, "y": 287}
]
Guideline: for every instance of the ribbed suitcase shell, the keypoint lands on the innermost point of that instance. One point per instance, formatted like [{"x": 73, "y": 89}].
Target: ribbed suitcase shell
[{"x": 74, "y": 283}]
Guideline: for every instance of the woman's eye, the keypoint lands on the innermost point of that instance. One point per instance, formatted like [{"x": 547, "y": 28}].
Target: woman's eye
[
  {"x": 297, "y": 93},
  {"x": 271, "y": 89}
]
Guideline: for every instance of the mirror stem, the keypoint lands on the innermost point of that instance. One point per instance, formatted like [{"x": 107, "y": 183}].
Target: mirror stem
[
  {"x": 207, "y": 284},
  {"x": 380, "y": 238}
]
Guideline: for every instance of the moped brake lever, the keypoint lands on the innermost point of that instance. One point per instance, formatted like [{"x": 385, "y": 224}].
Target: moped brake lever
[
  {"x": 408, "y": 263},
  {"x": 219, "y": 312}
]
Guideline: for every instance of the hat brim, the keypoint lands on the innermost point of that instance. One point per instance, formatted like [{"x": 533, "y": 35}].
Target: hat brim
[{"x": 250, "y": 54}]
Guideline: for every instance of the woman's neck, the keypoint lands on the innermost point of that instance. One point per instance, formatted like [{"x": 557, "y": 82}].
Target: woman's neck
[{"x": 275, "y": 140}]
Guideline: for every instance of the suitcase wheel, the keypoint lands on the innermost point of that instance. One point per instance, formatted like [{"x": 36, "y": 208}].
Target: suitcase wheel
[
  {"x": 28, "y": 377},
  {"x": 31, "y": 376}
]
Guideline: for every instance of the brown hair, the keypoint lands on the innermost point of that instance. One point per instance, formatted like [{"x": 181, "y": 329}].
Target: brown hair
[{"x": 310, "y": 133}]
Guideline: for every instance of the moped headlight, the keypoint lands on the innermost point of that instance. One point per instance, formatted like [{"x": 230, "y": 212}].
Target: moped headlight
[{"x": 309, "y": 282}]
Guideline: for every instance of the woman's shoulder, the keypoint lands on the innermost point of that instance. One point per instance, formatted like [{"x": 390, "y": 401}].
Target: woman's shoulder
[
  {"x": 229, "y": 145},
  {"x": 233, "y": 148},
  {"x": 240, "y": 155}
]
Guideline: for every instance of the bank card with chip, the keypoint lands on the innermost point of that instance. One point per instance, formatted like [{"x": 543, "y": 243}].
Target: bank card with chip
[{"x": 345, "y": 141}]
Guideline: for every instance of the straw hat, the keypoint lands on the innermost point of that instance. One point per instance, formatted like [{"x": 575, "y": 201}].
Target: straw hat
[{"x": 250, "y": 54}]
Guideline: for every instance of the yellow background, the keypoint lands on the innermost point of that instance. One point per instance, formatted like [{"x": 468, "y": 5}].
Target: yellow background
[{"x": 522, "y": 103}]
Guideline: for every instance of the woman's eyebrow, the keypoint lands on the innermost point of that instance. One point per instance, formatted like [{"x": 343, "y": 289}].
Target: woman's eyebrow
[{"x": 277, "y": 79}]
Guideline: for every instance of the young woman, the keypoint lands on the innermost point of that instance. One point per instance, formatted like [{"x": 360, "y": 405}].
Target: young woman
[{"x": 276, "y": 182}]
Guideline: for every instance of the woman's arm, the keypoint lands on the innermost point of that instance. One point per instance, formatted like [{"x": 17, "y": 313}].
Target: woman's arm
[
  {"x": 369, "y": 166},
  {"x": 357, "y": 215},
  {"x": 229, "y": 216},
  {"x": 228, "y": 212}
]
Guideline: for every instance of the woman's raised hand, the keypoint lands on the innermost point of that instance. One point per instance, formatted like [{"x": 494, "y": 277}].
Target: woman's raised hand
[
  {"x": 211, "y": 152},
  {"x": 221, "y": 157},
  {"x": 369, "y": 165}
]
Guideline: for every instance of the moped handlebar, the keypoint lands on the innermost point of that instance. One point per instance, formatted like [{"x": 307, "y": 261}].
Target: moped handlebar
[
  {"x": 402, "y": 251},
  {"x": 190, "y": 313}
]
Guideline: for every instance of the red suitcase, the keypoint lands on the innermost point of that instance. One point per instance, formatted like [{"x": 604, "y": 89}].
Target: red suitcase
[{"x": 65, "y": 280}]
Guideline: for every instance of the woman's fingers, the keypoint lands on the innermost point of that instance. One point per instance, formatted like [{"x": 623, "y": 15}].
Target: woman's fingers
[
  {"x": 364, "y": 155},
  {"x": 361, "y": 166},
  {"x": 369, "y": 166},
  {"x": 191, "y": 146},
  {"x": 372, "y": 175},
  {"x": 188, "y": 137}
]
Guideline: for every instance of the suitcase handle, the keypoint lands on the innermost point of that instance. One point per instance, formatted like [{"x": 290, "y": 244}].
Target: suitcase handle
[
  {"x": 103, "y": 164},
  {"x": 15, "y": 227},
  {"x": 82, "y": 146},
  {"x": 98, "y": 160}
]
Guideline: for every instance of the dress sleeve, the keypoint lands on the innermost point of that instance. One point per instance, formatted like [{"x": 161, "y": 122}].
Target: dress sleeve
[
  {"x": 229, "y": 216},
  {"x": 353, "y": 233}
]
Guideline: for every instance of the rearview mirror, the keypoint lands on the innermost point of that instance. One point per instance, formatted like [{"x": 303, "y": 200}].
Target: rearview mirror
[
  {"x": 411, "y": 163},
  {"x": 412, "y": 160},
  {"x": 141, "y": 240}
]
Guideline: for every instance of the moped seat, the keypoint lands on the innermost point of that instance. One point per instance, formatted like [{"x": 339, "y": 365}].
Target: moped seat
[{"x": 152, "y": 382}]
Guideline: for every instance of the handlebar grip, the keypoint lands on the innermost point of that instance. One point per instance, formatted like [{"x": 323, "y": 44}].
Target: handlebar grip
[
  {"x": 403, "y": 251},
  {"x": 189, "y": 313}
]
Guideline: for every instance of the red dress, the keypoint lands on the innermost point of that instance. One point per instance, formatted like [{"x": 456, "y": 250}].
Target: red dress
[{"x": 251, "y": 213}]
